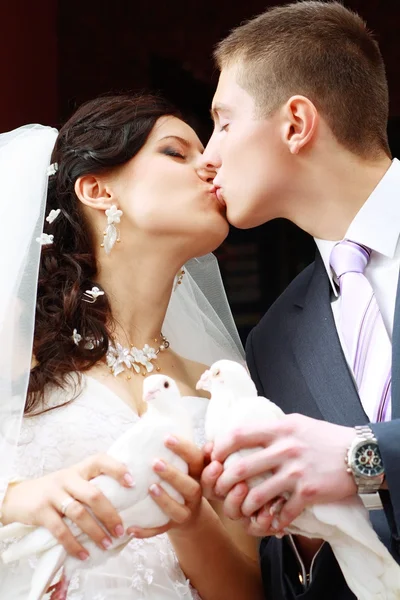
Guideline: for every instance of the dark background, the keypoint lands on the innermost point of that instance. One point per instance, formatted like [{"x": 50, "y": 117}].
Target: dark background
[{"x": 56, "y": 54}]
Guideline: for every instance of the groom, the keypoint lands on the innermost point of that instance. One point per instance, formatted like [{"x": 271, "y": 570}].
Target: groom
[{"x": 300, "y": 117}]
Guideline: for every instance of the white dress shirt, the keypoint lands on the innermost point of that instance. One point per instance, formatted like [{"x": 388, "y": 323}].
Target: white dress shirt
[{"x": 377, "y": 226}]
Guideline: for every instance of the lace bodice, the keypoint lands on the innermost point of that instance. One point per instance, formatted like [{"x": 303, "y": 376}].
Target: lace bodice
[{"x": 145, "y": 569}]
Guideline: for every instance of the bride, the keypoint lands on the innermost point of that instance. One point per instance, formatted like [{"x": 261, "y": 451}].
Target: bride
[{"x": 101, "y": 236}]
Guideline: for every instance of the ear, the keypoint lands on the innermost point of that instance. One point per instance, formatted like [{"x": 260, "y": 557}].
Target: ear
[
  {"x": 93, "y": 191},
  {"x": 300, "y": 123}
]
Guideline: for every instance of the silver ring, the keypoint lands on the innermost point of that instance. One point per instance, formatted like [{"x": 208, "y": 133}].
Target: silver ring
[{"x": 65, "y": 504}]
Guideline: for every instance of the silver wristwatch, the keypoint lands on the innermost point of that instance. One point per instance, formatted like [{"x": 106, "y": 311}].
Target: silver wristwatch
[{"x": 364, "y": 461}]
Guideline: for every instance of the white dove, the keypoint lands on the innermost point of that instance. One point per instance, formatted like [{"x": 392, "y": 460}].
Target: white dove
[
  {"x": 369, "y": 569},
  {"x": 138, "y": 448}
]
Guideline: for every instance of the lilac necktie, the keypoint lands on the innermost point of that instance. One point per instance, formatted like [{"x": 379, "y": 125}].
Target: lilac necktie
[{"x": 369, "y": 349}]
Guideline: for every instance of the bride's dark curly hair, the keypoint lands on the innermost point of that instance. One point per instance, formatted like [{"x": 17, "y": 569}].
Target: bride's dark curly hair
[{"x": 102, "y": 134}]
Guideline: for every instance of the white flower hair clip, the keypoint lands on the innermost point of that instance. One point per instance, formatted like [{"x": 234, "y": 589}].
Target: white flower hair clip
[
  {"x": 77, "y": 338},
  {"x": 90, "y": 343},
  {"x": 92, "y": 295},
  {"x": 45, "y": 239},
  {"x": 52, "y": 169},
  {"x": 52, "y": 216}
]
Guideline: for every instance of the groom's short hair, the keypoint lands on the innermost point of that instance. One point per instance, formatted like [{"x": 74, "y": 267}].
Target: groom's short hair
[{"x": 320, "y": 50}]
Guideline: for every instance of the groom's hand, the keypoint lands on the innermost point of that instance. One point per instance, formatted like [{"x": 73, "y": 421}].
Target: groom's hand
[{"x": 305, "y": 456}]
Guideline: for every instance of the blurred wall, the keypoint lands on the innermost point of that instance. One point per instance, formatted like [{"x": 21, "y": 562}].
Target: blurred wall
[
  {"x": 28, "y": 63},
  {"x": 105, "y": 45}
]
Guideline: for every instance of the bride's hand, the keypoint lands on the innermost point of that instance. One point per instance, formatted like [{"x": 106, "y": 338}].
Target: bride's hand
[
  {"x": 40, "y": 501},
  {"x": 181, "y": 515}
]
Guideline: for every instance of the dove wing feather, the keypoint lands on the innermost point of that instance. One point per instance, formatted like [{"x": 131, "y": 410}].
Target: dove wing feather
[
  {"x": 15, "y": 530},
  {"x": 248, "y": 411}
]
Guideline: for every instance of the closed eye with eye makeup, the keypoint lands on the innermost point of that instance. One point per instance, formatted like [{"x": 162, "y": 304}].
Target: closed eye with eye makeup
[
  {"x": 179, "y": 147},
  {"x": 169, "y": 151}
]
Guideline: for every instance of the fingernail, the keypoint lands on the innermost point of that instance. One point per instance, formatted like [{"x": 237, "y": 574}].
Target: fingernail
[
  {"x": 106, "y": 543},
  {"x": 129, "y": 479},
  {"x": 213, "y": 469},
  {"x": 131, "y": 533},
  {"x": 119, "y": 531},
  {"x": 171, "y": 441},
  {"x": 275, "y": 526},
  {"x": 159, "y": 465},
  {"x": 155, "y": 490},
  {"x": 83, "y": 555}
]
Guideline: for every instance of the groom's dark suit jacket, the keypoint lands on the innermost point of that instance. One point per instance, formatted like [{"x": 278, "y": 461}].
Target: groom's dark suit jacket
[{"x": 296, "y": 360}]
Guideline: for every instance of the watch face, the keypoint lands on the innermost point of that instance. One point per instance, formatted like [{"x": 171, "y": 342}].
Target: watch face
[{"x": 368, "y": 460}]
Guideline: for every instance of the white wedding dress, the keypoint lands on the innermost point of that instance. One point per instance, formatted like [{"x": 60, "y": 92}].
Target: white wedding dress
[{"x": 144, "y": 569}]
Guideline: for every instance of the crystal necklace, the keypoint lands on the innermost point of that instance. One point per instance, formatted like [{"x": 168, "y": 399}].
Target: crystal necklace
[{"x": 140, "y": 361}]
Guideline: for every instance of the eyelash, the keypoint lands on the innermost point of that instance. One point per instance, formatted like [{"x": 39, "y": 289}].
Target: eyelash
[
  {"x": 173, "y": 153},
  {"x": 224, "y": 127}
]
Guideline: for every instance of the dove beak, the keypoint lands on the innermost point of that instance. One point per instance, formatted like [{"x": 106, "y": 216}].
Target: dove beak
[
  {"x": 204, "y": 382},
  {"x": 149, "y": 395}
]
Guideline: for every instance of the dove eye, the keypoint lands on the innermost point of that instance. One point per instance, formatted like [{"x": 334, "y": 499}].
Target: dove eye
[
  {"x": 166, "y": 384},
  {"x": 217, "y": 373}
]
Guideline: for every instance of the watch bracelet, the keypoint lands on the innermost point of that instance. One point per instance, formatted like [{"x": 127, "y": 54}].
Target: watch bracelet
[{"x": 365, "y": 431}]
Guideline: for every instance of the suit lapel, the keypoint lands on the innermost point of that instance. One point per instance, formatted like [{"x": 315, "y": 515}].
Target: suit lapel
[
  {"x": 320, "y": 357},
  {"x": 396, "y": 358}
]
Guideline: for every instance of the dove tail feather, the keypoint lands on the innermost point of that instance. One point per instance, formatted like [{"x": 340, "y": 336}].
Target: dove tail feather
[
  {"x": 35, "y": 541},
  {"x": 369, "y": 576},
  {"x": 15, "y": 531},
  {"x": 49, "y": 564}
]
